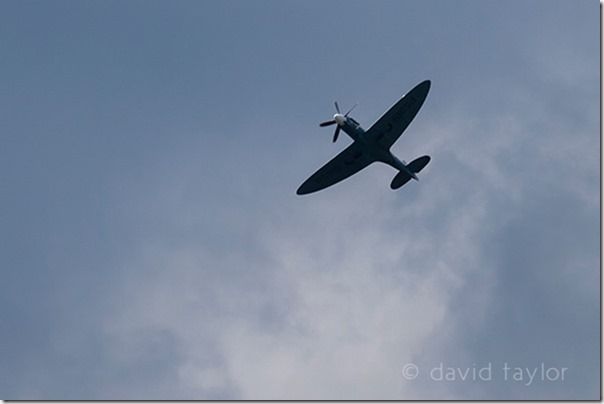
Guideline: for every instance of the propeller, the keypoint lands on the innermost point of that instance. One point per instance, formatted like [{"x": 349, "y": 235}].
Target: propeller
[
  {"x": 350, "y": 110},
  {"x": 334, "y": 121},
  {"x": 327, "y": 123},
  {"x": 335, "y": 134}
]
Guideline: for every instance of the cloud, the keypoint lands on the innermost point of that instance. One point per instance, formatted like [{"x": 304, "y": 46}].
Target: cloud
[
  {"x": 323, "y": 298},
  {"x": 183, "y": 265}
]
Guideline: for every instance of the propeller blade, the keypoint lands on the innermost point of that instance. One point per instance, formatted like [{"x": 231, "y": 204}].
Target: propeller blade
[
  {"x": 327, "y": 123},
  {"x": 337, "y": 106},
  {"x": 335, "y": 134},
  {"x": 350, "y": 110}
]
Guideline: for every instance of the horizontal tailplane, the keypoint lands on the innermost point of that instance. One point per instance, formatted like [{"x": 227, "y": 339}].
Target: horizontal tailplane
[{"x": 415, "y": 167}]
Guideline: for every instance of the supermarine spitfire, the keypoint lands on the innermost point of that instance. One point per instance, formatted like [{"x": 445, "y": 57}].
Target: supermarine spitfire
[{"x": 371, "y": 145}]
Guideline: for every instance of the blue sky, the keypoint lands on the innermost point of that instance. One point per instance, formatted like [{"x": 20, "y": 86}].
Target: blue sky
[{"x": 153, "y": 246}]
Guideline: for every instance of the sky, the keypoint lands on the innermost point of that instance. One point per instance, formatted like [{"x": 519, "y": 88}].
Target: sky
[{"x": 153, "y": 245}]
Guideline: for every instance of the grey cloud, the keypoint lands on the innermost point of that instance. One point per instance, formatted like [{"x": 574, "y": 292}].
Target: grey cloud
[{"x": 154, "y": 246}]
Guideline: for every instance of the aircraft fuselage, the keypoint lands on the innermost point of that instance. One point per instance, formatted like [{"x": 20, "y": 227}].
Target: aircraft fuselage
[{"x": 379, "y": 153}]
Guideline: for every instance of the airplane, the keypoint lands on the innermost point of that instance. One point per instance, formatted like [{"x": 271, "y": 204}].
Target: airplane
[{"x": 371, "y": 145}]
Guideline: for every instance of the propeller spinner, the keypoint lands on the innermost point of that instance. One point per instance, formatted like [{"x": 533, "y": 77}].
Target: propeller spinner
[{"x": 338, "y": 119}]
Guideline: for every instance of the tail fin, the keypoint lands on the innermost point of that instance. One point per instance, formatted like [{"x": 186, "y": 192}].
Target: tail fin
[{"x": 415, "y": 166}]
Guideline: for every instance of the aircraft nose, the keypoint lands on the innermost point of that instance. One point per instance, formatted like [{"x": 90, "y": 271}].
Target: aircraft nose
[{"x": 339, "y": 118}]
